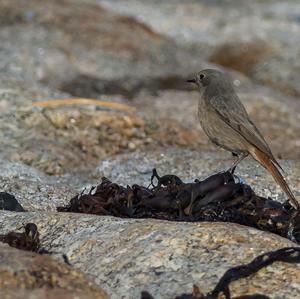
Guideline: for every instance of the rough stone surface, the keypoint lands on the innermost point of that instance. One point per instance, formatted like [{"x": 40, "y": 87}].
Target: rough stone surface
[
  {"x": 34, "y": 190},
  {"x": 56, "y": 141},
  {"x": 127, "y": 256},
  {"x": 30, "y": 275}
]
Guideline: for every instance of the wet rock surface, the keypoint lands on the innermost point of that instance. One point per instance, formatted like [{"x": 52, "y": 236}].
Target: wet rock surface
[{"x": 138, "y": 53}]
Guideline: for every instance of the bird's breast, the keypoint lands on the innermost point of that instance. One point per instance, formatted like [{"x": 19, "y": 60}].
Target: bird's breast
[
  {"x": 203, "y": 112},
  {"x": 217, "y": 130}
]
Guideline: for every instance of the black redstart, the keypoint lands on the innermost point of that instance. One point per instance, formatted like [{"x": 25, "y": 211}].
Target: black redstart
[{"x": 226, "y": 122}]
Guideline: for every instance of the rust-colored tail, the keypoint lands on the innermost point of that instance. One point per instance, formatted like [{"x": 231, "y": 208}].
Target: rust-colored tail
[{"x": 271, "y": 166}]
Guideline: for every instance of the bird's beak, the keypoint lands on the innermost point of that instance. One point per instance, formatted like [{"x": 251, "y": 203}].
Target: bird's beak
[{"x": 191, "y": 80}]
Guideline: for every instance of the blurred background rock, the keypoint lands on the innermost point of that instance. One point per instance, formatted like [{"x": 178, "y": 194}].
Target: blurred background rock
[{"x": 140, "y": 53}]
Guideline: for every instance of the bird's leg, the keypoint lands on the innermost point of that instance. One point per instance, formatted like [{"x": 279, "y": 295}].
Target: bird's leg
[{"x": 237, "y": 161}]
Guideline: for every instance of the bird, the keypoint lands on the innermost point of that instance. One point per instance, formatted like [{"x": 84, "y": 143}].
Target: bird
[{"x": 227, "y": 124}]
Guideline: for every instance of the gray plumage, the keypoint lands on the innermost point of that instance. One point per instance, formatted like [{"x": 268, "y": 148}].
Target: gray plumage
[
  {"x": 221, "y": 113},
  {"x": 228, "y": 125}
]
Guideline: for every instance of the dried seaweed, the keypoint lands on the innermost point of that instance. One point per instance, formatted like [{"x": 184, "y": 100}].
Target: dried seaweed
[
  {"x": 287, "y": 255},
  {"x": 29, "y": 240},
  {"x": 220, "y": 197}
]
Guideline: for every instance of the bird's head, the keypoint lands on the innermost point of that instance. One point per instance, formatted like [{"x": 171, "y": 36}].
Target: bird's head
[{"x": 206, "y": 77}]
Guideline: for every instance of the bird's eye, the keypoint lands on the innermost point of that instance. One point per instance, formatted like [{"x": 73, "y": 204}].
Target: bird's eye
[{"x": 201, "y": 76}]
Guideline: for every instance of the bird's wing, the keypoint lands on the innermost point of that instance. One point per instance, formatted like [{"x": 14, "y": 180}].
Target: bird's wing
[{"x": 233, "y": 113}]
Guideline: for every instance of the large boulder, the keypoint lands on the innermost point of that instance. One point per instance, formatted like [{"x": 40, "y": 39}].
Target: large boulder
[{"x": 127, "y": 256}]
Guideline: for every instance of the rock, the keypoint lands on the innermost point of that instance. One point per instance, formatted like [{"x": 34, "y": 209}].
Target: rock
[
  {"x": 29, "y": 275},
  {"x": 281, "y": 71},
  {"x": 215, "y": 26},
  {"x": 32, "y": 189},
  {"x": 127, "y": 256},
  {"x": 128, "y": 86},
  {"x": 241, "y": 56},
  {"x": 60, "y": 41},
  {"x": 9, "y": 202},
  {"x": 56, "y": 141}
]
